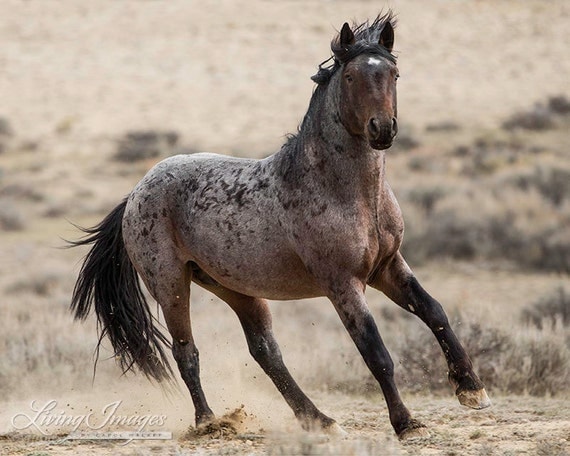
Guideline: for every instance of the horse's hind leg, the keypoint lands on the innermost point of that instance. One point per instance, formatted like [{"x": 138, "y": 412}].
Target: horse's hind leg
[
  {"x": 399, "y": 284},
  {"x": 169, "y": 284},
  {"x": 255, "y": 319}
]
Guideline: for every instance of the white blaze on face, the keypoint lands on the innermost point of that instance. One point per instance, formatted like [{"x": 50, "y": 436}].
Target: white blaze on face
[{"x": 373, "y": 61}]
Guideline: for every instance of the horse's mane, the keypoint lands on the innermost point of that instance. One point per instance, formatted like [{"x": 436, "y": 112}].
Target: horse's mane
[
  {"x": 366, "y": 41},
  {"x": 366, "y": 36}
]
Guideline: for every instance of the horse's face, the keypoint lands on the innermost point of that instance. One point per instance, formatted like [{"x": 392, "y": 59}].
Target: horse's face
[
  {"x": 368, "y": 99},
  {"x": 368, "y": 94}
]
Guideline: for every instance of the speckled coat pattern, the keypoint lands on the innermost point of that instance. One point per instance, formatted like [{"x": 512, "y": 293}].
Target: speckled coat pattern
[{"x": 317, "y": 218}]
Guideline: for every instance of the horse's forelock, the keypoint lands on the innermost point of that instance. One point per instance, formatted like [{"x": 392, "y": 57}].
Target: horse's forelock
[
  {"x": 366, "y": 37},
  {"x": 366, "y": 40}
]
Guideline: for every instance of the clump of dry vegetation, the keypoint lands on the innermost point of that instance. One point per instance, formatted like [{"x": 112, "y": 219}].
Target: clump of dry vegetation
[
  {"x": 505, "y": 197},
  {"x": 542, "y": 116},
  {"x": 550, "y": 310},
  {"x": 518, "y": 359},
  {"x": 11, "y": 219},
  {"x": 42, "y": 347},
  {"x": 141, "y": 145},
  {"x": 6, "y": 134}
]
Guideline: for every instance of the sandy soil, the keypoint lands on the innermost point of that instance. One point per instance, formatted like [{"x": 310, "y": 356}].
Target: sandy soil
[
  {"x": 515, "y": 425},
  {"x": 233, "y": 77}
]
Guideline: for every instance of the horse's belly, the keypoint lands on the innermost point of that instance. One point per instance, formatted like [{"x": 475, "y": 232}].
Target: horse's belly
[{"x": 262, "y": 270}]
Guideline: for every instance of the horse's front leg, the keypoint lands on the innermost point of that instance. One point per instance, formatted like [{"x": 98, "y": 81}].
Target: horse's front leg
[
  {"x": 397, "y": 281},
  {"x": 351, "y": 306}
]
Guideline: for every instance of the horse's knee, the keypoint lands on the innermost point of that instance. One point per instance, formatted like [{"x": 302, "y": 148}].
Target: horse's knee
[
  {"x": 372, "y": 347},
  {"x": 387, "y": 365},
  {"x": 434, "y": 317},
  {"x": 262, "y": 349},
  {"x": 384, "y": 364},
  {"x": 186, "y": 355}
]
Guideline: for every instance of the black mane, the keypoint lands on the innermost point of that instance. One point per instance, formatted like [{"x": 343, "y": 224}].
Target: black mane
[{"x": 366, "y": 42}]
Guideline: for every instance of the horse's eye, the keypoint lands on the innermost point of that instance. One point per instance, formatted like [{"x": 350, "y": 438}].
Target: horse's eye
[{"x": 348, "y": 77}]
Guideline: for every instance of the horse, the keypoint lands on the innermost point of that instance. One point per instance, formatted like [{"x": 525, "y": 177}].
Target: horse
[{"x": 317, "y": 218}]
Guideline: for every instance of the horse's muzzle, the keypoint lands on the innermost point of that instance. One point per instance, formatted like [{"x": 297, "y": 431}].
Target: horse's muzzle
[{"x": 381, "y": 133}]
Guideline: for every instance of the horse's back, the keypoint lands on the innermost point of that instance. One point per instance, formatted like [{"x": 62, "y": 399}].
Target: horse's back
[{"x": 223, "y": 214}]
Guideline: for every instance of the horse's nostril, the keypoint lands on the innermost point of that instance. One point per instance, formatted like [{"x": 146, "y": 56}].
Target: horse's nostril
[
  {"x": 374, "y": 128},
  {"x": 379, "y": 130},
  {"x": 394, "y": 127}
]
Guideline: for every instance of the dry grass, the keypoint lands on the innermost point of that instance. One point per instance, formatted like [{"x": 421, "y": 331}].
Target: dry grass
[
  {"x": 11, "y": 219},
  {"x": 510, "y": 359},
  {"x": 142, "y": 145},
  {"x": 550, "y": 311},
  {"x": 38, "y": 338},
  {"x": 504, "y": 197}
]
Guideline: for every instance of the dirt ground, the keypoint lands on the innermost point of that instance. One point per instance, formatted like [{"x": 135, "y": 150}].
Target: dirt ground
[
  {"x": 513, "y": 426},
  {"x": 233, "y": 77}
]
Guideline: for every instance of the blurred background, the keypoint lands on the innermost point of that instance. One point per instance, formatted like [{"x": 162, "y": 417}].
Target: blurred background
[{"x": 93, "y": 94}]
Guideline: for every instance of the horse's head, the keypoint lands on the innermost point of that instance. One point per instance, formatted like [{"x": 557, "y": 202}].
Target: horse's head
[{"x": 368, "y": 75}]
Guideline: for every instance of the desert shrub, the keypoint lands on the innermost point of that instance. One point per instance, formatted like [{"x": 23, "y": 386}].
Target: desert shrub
[
  {"x": 406, "y": 139},
  {"x": 141, "y": 145},
  {"x": 423, "y": 365},
  {"x": 506, "y": 197},
  {"x": 515, "y": 360},
  {"x": 552, "y": 182},
  {"x": 40, "y": 284},
  {"x": 6, "y": 133},
  {"x": 541, "y": 116},
  {"x": 537, "y": 118},
  {"x": 497, "y": 222},
  {"x": 552, "y": 252},
  {"x": 509, "y": 356},
  {"x": 419, "y": 163},
  {"x": 488, "y": 154},
  {"x": 559, "y": 104},
  {"x": 22, "y": 192},
  {"x": 486, "y": 346},
  {"x": 536, "y": 363},
  {"x": 445, "y": 126},
  {"x": 462, "y": 235},
  {"x": 11, "y": 219},
  {"x": 426, "y": 197},
  {"x": 548, "y": 310},
  {"x": 33, "y": 354},
  {"x": 5, "y": 127}
]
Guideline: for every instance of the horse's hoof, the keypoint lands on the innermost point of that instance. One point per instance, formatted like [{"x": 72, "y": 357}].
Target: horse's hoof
[
  {"x": 335, "y": 430},
  {"x": 477, "y": 399},
  {"x": 414, "y": 430},
  {"x": 204, "y": 420}
]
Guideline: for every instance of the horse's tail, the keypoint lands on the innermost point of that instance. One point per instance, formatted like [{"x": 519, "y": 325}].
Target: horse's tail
[{"x": 109, "y": 280}]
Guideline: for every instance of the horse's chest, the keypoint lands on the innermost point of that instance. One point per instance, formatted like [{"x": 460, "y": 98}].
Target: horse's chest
[
  {"x": 390, "y": 224},
  {"x": 351, "y": 237}
]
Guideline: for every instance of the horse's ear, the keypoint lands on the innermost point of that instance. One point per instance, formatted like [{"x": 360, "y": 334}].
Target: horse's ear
[
  {"x": 346, "y": 36},
  {"x": 387, "y": 37}
]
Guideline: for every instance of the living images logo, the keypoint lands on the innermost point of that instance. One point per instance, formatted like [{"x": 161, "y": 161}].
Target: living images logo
[{"x": 108, "y": 424}]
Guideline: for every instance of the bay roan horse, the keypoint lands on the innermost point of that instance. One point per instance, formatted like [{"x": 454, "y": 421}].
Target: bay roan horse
[{"x": 316, "y": 218}]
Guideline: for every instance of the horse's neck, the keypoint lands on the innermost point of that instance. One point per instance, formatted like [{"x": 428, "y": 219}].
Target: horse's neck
[{"x": 326, "y": 154}]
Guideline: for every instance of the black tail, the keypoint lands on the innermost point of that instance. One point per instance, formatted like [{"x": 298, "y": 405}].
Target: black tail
[{"x": 109, "y": 280}]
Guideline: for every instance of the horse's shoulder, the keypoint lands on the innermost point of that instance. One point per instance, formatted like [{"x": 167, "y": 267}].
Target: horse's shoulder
[{"x": 390, "y": 213}]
